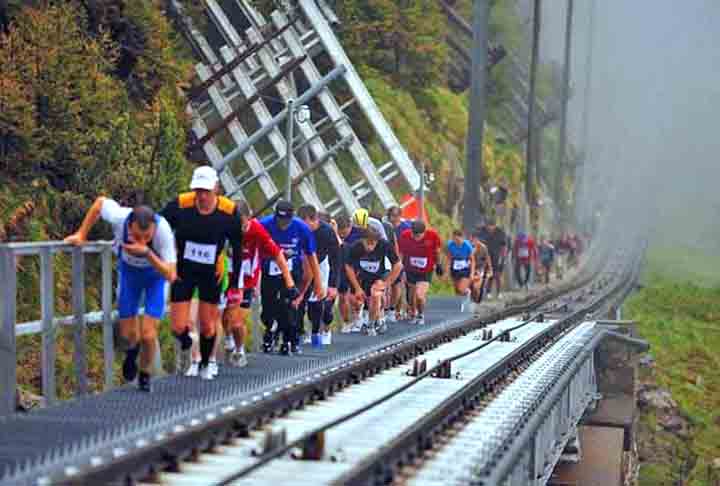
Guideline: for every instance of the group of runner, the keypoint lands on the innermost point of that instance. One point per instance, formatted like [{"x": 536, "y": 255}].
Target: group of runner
[{"x": 216, "y": 256}]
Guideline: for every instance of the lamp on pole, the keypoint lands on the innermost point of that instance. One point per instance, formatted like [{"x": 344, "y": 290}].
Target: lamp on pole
[
  {"x": 289, "y": 146},
  {"x": 302, "y": 114},
  {"x": 426, "y": 177}
]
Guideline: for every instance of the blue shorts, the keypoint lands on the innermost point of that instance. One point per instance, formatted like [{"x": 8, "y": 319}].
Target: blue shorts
[
  {"x": 133, "y": 283},
  {"x": 460, "y": 274}
]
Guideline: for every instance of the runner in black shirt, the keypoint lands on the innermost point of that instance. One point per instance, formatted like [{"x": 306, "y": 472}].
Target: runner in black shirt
[
  {"x": 496, "y": 242},
  {"x": 328, "y": 255},
  {"x": 202, "y": 222},
  {"x": 369, "y": 276}
]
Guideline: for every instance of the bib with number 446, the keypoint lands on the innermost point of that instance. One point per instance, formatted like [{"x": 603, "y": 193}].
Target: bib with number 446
[{"x": 200, "y": 253}]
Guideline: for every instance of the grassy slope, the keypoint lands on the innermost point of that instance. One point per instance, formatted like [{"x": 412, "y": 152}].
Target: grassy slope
[{"x": 679, "y": 314}]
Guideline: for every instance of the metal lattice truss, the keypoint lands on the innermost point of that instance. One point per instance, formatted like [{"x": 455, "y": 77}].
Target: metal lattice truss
[{"x": 252, "y": 67}]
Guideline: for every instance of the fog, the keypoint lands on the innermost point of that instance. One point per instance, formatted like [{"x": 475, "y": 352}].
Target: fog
[{"x": 654, "y": 136}]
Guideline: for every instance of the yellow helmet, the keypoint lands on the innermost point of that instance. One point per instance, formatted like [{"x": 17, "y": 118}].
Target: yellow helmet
[{"x": 360, "y": 218}]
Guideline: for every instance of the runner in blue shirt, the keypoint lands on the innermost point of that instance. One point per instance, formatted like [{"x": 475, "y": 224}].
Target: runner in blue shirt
[
  {"x": 279, "y": 304},
  {"x": 460, "y": 262}
]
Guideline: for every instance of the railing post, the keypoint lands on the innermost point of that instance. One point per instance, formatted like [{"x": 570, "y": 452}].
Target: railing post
[
  {"x": 47, "y": 306},
  {"x": 108, "y": 336},
  {"x": 8, "y": 349},
  {"x": 79, "y": 331}
]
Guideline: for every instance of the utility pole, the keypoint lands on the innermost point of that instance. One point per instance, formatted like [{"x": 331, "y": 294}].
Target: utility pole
[
  {"x": 289, "y": 143},
  {"x": 474, "y": 172},
  {"x": 581, "y": 193},
  {"x": 562, "y": 148},
  {"x": 421, "y": 194},
  {"x": 530, "y": 154}
]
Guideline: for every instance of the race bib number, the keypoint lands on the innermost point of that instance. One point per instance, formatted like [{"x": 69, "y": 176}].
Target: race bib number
[
  {"x": 133, "y": 261},
  {"x": 523, "y": 252},
  {"x": 460, "y": 264},
  {"x": 370, "y": 267},
  {"x": 418, "y": 262},
  {"x": 274, "y": 270},
  {"x": 200, "y": 253}
]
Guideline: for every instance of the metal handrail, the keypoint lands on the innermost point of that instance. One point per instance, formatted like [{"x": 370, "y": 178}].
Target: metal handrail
[{"x": 9, "y": 329}]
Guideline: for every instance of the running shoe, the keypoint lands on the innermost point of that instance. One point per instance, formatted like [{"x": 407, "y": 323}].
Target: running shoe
[
  {"x": 347, "y": 328},
  {"x": 238, "y": 359},
  {"x": 213, "y": 366},
  {"x": 465, "y": 305},
  {"x": 307, "y": 339},
  {"x": 369, "y": 329},
  {"x": 381, "y": 326},
  {"x": 193, "y": 369},
  {"x": 229, "y": 344},
  {"x": 206, "y": 373},
  {"x": 144, "y": 382},
  {"x": 296, "y": 348},
  {"x": 420, "y": 320},
  {"x": 186, "y": 355},
  {"x": 285, "y": 350},
  {"x": 269, "y": 341},
  {"x": 357, "y": 325},
  {"x": 130, "y": 368},
  {"x": 499, "y": 296}
]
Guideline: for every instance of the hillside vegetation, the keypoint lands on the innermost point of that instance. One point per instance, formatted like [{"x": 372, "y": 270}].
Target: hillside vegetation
[{"x": 678, "y": 312}]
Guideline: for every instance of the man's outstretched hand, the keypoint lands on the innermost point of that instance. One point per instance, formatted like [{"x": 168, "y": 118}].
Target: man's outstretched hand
[{"x": 76, "y": 239}]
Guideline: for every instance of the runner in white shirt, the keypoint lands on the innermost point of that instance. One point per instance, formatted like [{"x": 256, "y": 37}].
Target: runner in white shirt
[{"x": 145, "y": 247}]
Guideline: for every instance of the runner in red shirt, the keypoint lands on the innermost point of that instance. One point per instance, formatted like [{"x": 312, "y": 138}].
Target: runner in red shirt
[
  {"x": 257, "y": 244},
  {"x": 420, "y": 249},
  {"x": 525, "y": 255}
]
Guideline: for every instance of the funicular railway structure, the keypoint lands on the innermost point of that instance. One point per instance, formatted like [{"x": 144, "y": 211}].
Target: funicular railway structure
[
  {"x": 239, "y": 128},
  {"x": 371, "y": 411},
  {"x": 497, "y": 396}
]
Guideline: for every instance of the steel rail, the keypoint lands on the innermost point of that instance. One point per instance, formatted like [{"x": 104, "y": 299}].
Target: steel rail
[
  {"x": 362, "y": 474},
  {"x": 237, "y": 421},
  {"x": 509, "y": 457},
  {"x": 355, "y": 413},
  {"x": 375, "y": 467}
]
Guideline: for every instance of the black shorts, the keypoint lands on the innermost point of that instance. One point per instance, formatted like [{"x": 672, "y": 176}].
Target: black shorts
[
  {"x": 497, "y": 266},
  {"x": 344, "y": 285},
  {"x": 367, "y": 286},
  {"x": 459, "y": 274},
  {"x": 416, "y": 277},
  {"x": 208, "y": 287}
]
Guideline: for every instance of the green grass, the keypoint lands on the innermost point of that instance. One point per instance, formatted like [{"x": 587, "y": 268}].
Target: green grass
[{"x": 678, "y": 312}]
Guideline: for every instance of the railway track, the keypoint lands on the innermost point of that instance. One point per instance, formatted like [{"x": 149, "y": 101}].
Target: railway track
[
  {"x": 353, "y": 422},
  {"x": 243, "y": 440},
  {"x": 369, "y": 433}
]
